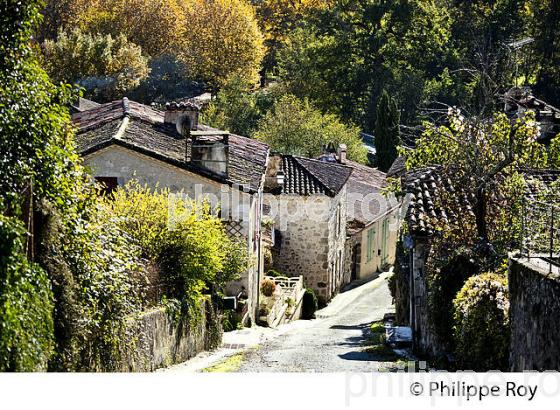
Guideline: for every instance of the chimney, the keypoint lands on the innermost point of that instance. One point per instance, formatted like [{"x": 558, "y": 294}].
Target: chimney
[
  {"x": 341, "y": 153},
  {"x": 209, "y": 150},
  {"x": 184, "y": 115},
  {"x": 274, "y": 176}
]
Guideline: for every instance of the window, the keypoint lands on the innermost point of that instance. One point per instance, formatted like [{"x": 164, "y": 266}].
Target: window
[{"x": 370, "y": 244}]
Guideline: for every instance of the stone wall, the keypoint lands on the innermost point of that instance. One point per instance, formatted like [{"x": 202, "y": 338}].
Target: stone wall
[
  {"x": 534, "y": 315},
  {"x": 162, "y": 341},
  {"x": 426, "y": 341},
  {"x": 311, "y": 241}
]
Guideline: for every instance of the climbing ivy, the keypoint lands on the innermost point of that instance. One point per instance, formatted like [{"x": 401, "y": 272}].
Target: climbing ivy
[
  {"x": 84, "y": 263},
  {"x": 26, "y": 304}
]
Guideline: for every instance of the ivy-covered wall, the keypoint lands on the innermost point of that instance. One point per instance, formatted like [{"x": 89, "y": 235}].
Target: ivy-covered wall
[{"x": 534, "y": 312}]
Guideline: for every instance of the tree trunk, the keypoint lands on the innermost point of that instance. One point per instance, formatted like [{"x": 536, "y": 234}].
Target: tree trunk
[{"x": 480, "y": 213}]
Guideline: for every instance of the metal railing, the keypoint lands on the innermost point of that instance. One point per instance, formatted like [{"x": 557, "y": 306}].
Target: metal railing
[{"x": 541, "y": 231}]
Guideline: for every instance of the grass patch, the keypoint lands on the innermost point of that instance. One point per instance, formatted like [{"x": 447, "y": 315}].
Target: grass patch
[
  {"x": 377, "y": 334},
  {"x": 377, "y": 327},
  {"x": 382, "y": 352},
  {"x": 375, "y": 344},
  {"x": 229, "y": 365}
]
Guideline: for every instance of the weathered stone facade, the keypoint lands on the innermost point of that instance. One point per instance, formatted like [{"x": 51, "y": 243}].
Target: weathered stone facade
[
  {"x": 311, "y": 242},
  {"x": 534, "y": 312},
  {"x": 126, "y": 165}
]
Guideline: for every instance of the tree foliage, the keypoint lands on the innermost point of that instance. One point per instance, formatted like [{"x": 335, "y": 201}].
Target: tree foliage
[
  {"x": 543, "y": 20},
  {"x": 238, "y": 108},
  {"x": 154, "y": 25},
  {"x": 295, "y": 127},
  {"x": 482, "y": 159},
  {"x": 221, "y": 38},
  {"x": 278, "y": 18},
  {"x": 354, "y": 49},
  {"x": 105, "y": 66},
  {"x": 387, "y": 138},
  {"x": 481, "y": 312}
]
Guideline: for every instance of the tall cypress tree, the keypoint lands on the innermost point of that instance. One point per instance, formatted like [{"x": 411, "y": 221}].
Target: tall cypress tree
[{"x": 387, "y": 135}]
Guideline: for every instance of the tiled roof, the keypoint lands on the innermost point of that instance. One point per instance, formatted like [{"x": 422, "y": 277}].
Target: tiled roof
[
  {"x": 363, "y": 182},
  {"x": 147, "y": 133},
  {"x": 305, "y": 176},
  {"x": 426, "y": 186},
  {"x": 541, "y": 176},
  {"x": 519, "y": 100}
]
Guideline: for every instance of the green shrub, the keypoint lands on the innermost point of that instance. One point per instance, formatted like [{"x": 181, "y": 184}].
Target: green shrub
[
  {"x": 87, "y": 260},
  {"x": 26, "y": 304},
  {"x": 267, "y": 287},
  {"x": 310, "y": 304},
  {"x": 444, "y": 283},
  {"x": 190, "y": 245},
  {"x": 481, "y": 330}
]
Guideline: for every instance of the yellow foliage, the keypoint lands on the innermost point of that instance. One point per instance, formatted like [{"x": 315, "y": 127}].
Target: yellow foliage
[
  {"x": 154, "y": 25},
  {"x": 221, "y": 38}
]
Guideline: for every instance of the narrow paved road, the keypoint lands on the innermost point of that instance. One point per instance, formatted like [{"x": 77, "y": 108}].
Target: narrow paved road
[{"x": 333, "y": 344}]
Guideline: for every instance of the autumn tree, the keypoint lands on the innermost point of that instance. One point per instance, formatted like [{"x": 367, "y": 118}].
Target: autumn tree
[
  {"x": 387, "y": 137},
  {"x": 296, "y": 127},
  {"x": 154, "y": 25},
  {"x": 481, "y": 159},
  {"x": 106, "y": 67},
  {"x": 221, "y": 38}
]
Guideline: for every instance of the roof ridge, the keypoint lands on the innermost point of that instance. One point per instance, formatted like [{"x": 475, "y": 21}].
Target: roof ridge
[
  {"x": 327, "y": 164},
  {"x": 312, "y": 174}
]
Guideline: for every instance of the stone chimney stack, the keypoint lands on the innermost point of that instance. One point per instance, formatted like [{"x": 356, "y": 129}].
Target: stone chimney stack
[
  {"x": 341, "y": 153},
  {"x": 184, "y": 115}
]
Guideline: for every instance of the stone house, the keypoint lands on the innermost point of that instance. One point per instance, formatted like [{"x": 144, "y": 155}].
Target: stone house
[
  {"x": 373, "y": 219},
  {"x": 424, "y": 187},
  {"x": 306, "y": 199},
  {"x": 125, "y": 140}
]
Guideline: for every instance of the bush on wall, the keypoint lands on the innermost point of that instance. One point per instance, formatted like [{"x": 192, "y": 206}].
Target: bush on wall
[
  {"x": 481, "y": 330},
  {"x": 185, "y": 238}
]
